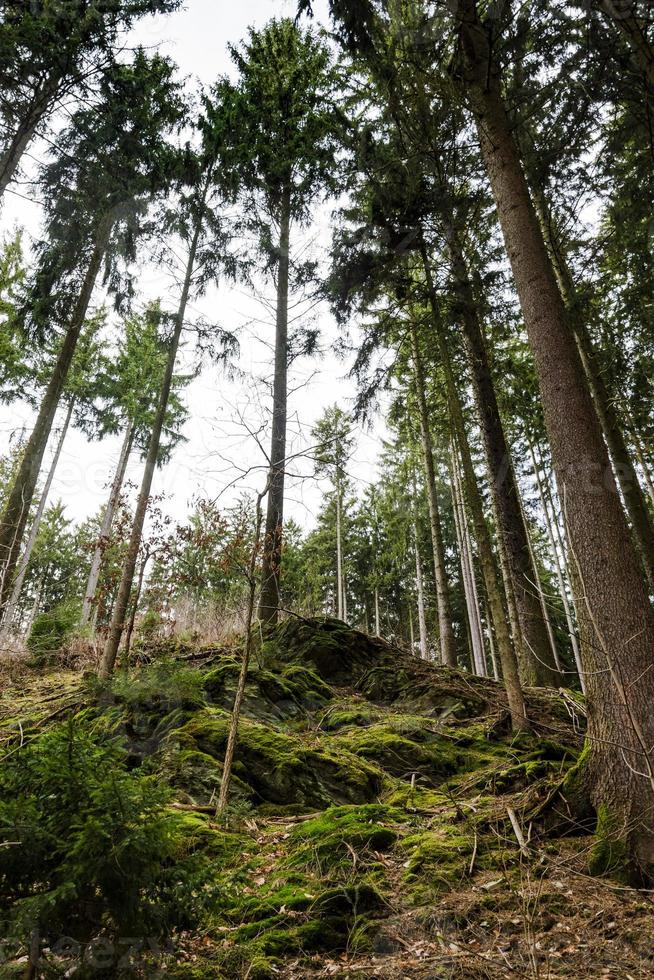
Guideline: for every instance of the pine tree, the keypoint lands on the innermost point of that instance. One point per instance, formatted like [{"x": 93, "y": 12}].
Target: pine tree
[{"x": 287, "y": 128}]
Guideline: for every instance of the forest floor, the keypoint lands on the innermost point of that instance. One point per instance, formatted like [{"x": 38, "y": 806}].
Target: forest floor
[{"x": 385, "y": 822}]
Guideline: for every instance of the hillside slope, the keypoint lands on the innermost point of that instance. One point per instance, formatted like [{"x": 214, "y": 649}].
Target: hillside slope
[{"x": 384, "y": 823}]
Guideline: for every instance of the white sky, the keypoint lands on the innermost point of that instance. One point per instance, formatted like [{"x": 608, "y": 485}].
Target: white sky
[{"x": 218, "y": 448}]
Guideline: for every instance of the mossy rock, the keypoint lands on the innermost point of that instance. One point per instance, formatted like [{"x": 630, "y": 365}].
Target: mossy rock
[
  {"x": 338, "y": 653},
  {"x": 331, "y": 840},
  {"x": 281, "y": 768},
  {"x": 434, "y": 758},
  {"x": 354, "y": 716},
  {"x": 279, "y": 695}
]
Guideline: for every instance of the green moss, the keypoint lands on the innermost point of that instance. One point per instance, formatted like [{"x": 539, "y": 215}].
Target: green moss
[
  {"x": 402, "y": 755},
  {"x": 281, "y": 694},
  {"x": 576, "y": 793},
  {"x": 358, "y": 715},
  {"x": 609, "y": 854},
  {"x": 437, "y": 860},
  {"x": 416, "y": 799},
  {"x": 282, "y": 768},
  {"x": 342, "y": 834}
]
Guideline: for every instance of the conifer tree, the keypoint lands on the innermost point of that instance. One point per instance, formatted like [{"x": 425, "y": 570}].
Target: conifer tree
[
  {"x": 112, "y": 159},
  {"x": 287, "y": 129}
]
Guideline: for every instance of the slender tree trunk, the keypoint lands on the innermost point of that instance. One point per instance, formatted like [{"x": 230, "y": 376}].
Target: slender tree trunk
[
  {"x": 422, "y": 619},
  {"x": 12, "y": 605},
  {"x": 445, "y": 631},
  {"x": 467, "y": 569},
  {"x": 105, "y": 530},
  {"x": 536, "y": 661},
  {"x": 538, "y": 585},
  {"x": 563, "y": 591},
  {"x": 125, "y": 588},
  {"x": 616, "y": 606},
  {"x": 223, "y": 796},
  {"x": 339, "y": 554},
  {"x": 491, "y": 647},
  {"x": 377, "y": 621},
  {"x": 506, "y": 649},
  {"x": 272, "y": 553},
  {"x": 635, "y": 502},
  {"x": 412, "y": 639},
  {"x": 16, "y": 511},
  {"x": 132, "y": 616},
  {"x": 35, "y": 606}
]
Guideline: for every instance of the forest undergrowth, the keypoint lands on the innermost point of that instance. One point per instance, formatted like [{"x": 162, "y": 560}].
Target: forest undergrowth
[{"x": 384, "y": 822}]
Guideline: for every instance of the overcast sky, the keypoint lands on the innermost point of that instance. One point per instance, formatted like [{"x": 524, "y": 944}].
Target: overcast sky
[{"x": 218, "y": 451}]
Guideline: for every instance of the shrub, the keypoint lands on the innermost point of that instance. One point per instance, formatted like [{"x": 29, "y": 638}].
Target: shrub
[{"x": 91, "y": 846}]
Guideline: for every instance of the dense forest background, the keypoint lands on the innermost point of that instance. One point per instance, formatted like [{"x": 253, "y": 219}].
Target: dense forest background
[{"x": 463, "y": 192}]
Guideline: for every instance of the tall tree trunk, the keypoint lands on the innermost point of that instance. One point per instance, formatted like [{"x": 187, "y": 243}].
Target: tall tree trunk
[
  {"x": 422, "y": 619},
  {"x": 616, "y": 606},
  {"x": 12, "y": 605},
  {"x": 16, "y": 511},
  {"x": 538, "y": 585},
  {"x": 377, "y": 620},
  {"x": 491, "y": 647},
  {"x": 412, "y": 639},
  {"x": 35, "y": 605},
  {"x": 223, "y": 795},
  {"x": 125, "y": 588},
  {"x": 272, "y": 552},
  {"x": 558, "y": 567},
  {"x": 339, "y": 554},
  {"x": 105, "y": 529},
  {"x": 136, "y": 598},
  {"x": 537, "y": 666},
  {"x": 642, "y": 524},
  {"x": 445, "y": 631},
  {"x": 494, "y": 592},
  {"x": 467, "y": 569}
]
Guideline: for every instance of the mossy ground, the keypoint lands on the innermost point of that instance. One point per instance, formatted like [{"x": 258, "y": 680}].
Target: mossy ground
[{"x": 368, "y": 833}]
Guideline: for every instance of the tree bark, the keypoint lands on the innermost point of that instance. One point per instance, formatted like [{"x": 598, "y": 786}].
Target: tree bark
[
  {"x": 125, "y": 588},
  {"x": 616, "y": 606},
  {"x": 445, "y": 631},
  {"x": 105, "y": 529},
  {"x": 536, "y": 661},
  {"x": 12, "y": 605},
  {"x": 635, "y": 503},
  {"x": 16, "y": 511},
  {"x": 269, "y": 598}
]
